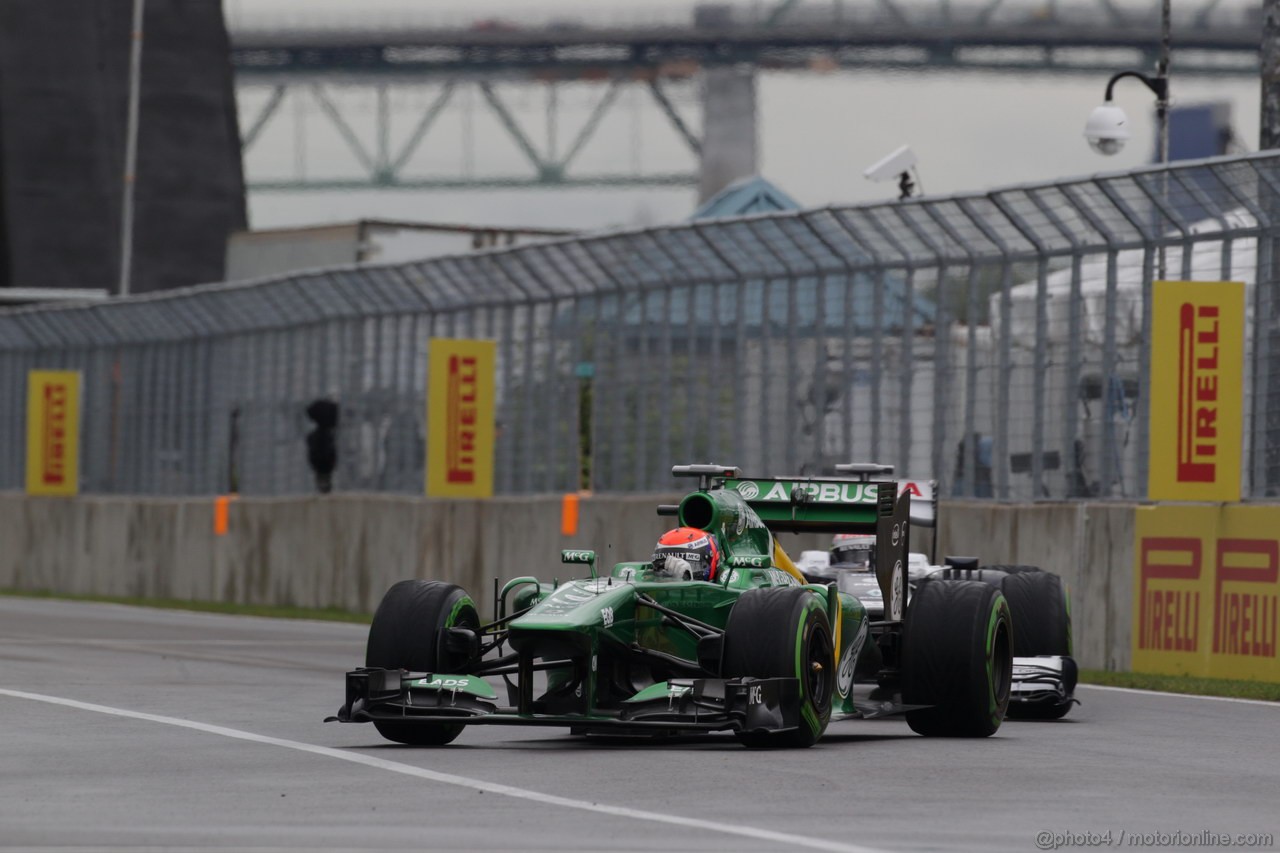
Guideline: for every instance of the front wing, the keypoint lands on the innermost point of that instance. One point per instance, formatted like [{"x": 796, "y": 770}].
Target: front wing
[
  {"x": 689, "y": 705},
  {"x": 1043, "y": 680}
]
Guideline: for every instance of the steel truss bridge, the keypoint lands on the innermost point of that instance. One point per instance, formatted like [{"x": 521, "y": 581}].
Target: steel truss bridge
[{"x": 487, "y": 59}]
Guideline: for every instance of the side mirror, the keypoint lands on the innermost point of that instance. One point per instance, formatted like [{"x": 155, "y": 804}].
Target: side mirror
[{"x": 575, "y": 556}]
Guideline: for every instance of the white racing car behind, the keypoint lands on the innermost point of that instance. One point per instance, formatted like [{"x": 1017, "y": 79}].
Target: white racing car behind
[{"x": 1044, "y": 673}]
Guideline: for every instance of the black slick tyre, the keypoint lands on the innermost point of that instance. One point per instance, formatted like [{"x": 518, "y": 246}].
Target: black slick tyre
[
  {"x": 1041, "y": 614},
  {"x": 1041, "y": 626},
  {"x": 957, "y": 658},
  {"x": 1014, "y": 568},
  {"x": 784, "y": 633},
  {"x": 405, "y": 634}
]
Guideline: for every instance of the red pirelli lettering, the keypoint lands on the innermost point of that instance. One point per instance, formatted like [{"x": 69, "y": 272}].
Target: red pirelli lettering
[
  {"x": 54, "y": 439},
  {"x": 1169, "y": 619},
  {"x": 1198, "y": 383},
  {"x": 462, "y": 392},
  {"x": 1244, "y": 621}
]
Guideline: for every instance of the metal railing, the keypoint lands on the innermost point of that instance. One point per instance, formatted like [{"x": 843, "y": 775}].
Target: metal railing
[{"x": 997, "y": 341}]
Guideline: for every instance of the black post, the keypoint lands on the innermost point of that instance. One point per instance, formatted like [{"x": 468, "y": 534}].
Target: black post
[
  {"x": 1268, "y": 274},
  {"x": 1269, "y": 134}
]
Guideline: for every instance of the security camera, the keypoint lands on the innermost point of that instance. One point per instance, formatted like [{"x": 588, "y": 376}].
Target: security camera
[
  {"x": 896, "y": 165},
  {"x": 1107, "y": 129},
  {"x": 892, "y": 166}
]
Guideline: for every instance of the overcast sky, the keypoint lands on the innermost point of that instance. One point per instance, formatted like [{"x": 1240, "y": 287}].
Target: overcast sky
[{"x": 971, "y": 131}]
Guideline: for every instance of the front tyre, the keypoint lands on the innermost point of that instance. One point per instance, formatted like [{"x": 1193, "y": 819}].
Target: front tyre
[
  {"x": 957, "y": 659},
  {"x": 405, "y": 634},
  {"x": 784, "y": 633},
  {"x": 1042, "y": 620},
  {"x": 1042, "y": 626}
]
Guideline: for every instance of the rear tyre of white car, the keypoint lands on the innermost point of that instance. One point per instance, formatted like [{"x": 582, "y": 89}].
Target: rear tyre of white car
[
  {"x": 1041, "y": 614},
  {"x": 1013, "y": 568}
]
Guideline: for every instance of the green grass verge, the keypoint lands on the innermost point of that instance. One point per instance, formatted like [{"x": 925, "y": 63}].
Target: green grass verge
[
  {"x": 1138, "y": 681},
  {"x": 1184, "y": 684},
  {"x": 325, "y": 614}
]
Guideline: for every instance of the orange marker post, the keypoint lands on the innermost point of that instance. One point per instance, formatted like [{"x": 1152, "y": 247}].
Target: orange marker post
[
  {"x": 569, "y": 515},
  {"x": 221, "y": 509}
]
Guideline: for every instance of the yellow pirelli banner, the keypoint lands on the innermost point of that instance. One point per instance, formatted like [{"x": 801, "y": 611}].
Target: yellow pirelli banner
[
  {"x": 1197, "y": 388},
  {"x": 1205, "y": 591},
  {"x": 53, "y": 432},
  {"x": 461, "y": 392}
]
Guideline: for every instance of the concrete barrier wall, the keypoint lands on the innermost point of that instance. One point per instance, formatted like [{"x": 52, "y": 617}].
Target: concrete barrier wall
[
  {"x": 338, "y": 551},
  {"x": 344, "y": 550},
  {"x": 1089, "y": 544}
]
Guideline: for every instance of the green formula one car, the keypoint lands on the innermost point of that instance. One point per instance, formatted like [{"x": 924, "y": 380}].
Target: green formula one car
[{"x": 652, "y": 648}]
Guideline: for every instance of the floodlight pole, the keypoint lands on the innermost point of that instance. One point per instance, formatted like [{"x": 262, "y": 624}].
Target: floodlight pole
[
  {"x": 1269, "y": 136},
  {"x": 1162, "y": 111},
  {"x": 1162, "y": 75},
  {"x": 131, "y": 150}
]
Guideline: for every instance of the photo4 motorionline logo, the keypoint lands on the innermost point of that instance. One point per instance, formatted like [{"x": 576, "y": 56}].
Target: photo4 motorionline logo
[{"x": 1046, "y": 840}]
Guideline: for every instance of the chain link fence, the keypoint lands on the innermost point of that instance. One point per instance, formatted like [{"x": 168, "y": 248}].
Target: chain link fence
[{"x": 996, "y": 341}]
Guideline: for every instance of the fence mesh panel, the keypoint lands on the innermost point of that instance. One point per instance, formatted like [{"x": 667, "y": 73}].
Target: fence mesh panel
[{"x": 997, "y": 341}]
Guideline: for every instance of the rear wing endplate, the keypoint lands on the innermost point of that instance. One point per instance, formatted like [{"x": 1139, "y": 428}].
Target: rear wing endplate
[{"x": 924, "y": 493}]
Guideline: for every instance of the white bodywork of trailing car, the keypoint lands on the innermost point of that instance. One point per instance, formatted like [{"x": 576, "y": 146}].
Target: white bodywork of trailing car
[{"x": 1036, "y": 680}]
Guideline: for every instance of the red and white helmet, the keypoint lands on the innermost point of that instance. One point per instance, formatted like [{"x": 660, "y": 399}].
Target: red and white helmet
[{"x": 696, "y": 547}]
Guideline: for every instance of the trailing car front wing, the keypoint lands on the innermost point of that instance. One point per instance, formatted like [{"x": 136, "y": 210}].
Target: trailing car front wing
[{"x": 1043, "y": 680}]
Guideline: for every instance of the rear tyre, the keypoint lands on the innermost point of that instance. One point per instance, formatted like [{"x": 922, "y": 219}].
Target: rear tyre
[
  {"x": 783, "y": 633},
  {"x": 1041, "y": 618},
  {"x": 405, "y": 634},
  {"x": 1014, "y": 569},
  {"x": 957, "y": 658}
]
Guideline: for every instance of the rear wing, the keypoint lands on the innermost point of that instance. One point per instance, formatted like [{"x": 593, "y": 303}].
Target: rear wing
[
  {"x": 831, "y": 504},
  {"x": 924, "y": 493},
  {"x": 855, "y": 503},
  {"x": 924, "y": 501},
  {"x": 841, "y": 505},
  {"x": 826, "y": 505}
]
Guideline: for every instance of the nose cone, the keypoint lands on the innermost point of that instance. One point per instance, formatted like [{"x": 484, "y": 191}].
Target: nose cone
[{"x": 1107, "y": 129}]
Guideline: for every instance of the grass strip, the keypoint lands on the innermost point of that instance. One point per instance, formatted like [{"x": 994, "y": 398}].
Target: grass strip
[
  {"x": 271, "y": 611},
  {"x": 1230, "y": 688}
]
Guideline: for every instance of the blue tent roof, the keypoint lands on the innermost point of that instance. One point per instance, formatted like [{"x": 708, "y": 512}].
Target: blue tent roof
[
  {"x": 769, "y": 301},
  {"x": 768, "y": 305},
  {"x": 743, "y": 197}
]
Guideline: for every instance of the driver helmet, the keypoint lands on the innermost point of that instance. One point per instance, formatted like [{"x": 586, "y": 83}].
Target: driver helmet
[
  {"x": 694, "y": 547},
  {"x": 853, "y": 549}
]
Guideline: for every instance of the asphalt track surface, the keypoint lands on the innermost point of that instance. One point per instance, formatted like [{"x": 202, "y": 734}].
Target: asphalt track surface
[{"x": 134, "y": 729}]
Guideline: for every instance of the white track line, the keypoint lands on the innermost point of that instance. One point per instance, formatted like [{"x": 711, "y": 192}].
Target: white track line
[
  {"x": 784, "y": 838},
  {"x": 1180, "y": 695}
]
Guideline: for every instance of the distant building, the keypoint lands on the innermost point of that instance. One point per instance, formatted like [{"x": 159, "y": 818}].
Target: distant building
[
  {"x": 11, "y": 297},
  {"x": 64, "y": 70},
  {"x": 277, "y": 251}
]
